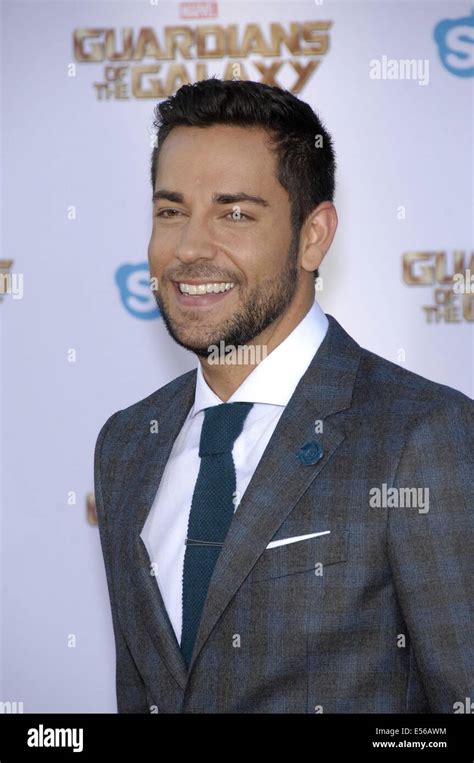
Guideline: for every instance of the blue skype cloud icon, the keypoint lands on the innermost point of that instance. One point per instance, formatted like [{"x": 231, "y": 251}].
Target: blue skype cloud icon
[
  {"x": 133, "y": 282},
  {"x": 455, "y": 41}
]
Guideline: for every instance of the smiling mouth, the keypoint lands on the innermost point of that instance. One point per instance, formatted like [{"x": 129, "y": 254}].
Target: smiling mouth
[{"x": 204, "y": 293}]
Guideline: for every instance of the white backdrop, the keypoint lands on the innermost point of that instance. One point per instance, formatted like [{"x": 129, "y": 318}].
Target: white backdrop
[{"x": 76, "y": 211}]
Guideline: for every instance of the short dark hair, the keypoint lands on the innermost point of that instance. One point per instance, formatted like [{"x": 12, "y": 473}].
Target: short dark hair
[{"x": 305, "y": 156}]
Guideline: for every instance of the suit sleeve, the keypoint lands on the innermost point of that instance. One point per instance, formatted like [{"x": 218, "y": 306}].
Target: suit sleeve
[
  {"x": 431, "y": 552},
  {"x": 130, "y": 689}
]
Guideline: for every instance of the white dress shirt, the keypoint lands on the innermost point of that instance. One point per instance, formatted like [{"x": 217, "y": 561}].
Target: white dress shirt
[{"x": 269, "y": 386}]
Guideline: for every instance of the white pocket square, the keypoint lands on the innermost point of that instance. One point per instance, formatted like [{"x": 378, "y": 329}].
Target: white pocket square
[{"x": 296, "y": 538}]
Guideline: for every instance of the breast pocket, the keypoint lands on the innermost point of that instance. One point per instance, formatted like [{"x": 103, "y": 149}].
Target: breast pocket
[{"x": 300, "y": 556}]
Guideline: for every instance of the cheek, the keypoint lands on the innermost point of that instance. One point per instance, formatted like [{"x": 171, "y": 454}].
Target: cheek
[
  {"x": 253, "y": 245},
  {"x": 152, "y": 250},
  {"x": 269, "y": 255},
  {"x": 275, "y": 239},
  {"x": 159, "y": 248}
]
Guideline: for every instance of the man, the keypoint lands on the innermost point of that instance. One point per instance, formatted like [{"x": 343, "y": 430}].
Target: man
[{"x": 287, "y": 530}]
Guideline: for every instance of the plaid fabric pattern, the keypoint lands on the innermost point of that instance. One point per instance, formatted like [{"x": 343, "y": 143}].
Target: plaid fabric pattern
[{"x": 375, "y": 616}]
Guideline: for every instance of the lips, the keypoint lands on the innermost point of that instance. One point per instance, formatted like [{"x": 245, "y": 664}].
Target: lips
[{"x": 200, "y": 300}]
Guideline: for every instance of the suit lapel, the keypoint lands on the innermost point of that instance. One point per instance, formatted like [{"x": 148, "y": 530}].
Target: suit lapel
[
  {"x": 153, "y": 451},
  {"x": 276, "y": 486}
]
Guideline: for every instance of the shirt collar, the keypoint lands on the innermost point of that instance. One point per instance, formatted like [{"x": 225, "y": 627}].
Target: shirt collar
[{"x": 274, "y": 380}]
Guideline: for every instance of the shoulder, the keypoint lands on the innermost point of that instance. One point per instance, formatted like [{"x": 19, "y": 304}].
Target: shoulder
[
  {"x": 427, "y": 427},
  {"x": 382, "y": 384},
  {"x": 120, "y": 424}
]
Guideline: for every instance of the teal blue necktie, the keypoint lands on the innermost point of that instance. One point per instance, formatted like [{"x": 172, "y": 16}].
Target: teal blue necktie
[{"x": 212, "y": 509}]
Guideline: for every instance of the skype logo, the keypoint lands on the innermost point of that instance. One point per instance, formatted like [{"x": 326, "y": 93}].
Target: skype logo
[
  {"x": 455, "y": 41},
  {"x": 133, "y": 282}
]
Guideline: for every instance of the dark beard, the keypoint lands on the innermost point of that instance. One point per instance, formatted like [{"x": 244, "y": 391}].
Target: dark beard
[{"x": 262, "y": 307}]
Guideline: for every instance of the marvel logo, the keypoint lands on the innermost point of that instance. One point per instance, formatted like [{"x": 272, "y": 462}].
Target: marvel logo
[{"x": 198, "y": 10}]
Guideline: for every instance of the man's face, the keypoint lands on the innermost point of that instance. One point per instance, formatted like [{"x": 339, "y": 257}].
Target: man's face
[{"x": 205, "y": 232}]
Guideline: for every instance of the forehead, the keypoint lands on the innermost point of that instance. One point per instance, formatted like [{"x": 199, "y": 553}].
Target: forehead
[{"x": 218, "y": 156}]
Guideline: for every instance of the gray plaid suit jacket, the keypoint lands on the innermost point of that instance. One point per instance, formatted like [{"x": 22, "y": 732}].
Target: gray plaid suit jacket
[{"x": 374, "y": 617}]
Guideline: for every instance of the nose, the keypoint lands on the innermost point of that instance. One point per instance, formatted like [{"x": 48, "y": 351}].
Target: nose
[{"x": 195, "y": 241}]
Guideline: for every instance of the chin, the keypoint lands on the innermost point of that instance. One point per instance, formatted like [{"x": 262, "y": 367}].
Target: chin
[{"x": 198, "y": 346}]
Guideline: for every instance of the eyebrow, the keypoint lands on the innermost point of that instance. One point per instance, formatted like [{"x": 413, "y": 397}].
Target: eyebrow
[{"x": 218, "y": 198}]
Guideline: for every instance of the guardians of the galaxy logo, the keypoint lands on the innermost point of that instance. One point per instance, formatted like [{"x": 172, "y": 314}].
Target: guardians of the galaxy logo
[
  {"x": 285, "y": 56},
  {"x": 453, "y": 279}
]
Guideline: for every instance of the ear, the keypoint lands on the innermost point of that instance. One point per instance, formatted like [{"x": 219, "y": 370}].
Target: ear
[{"x": 317, "y": 235}]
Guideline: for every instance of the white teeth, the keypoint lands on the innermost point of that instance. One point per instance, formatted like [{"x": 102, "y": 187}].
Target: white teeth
[{"x": 205, "y": 288}]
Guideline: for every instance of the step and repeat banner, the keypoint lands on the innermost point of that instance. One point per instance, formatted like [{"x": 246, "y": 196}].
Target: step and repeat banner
[{"x": 81, "y": 333}]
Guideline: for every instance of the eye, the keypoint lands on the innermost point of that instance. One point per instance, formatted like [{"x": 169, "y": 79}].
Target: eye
[
  {"x": 237, "y": 217},
  {"x": 161, "y": 213}
]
